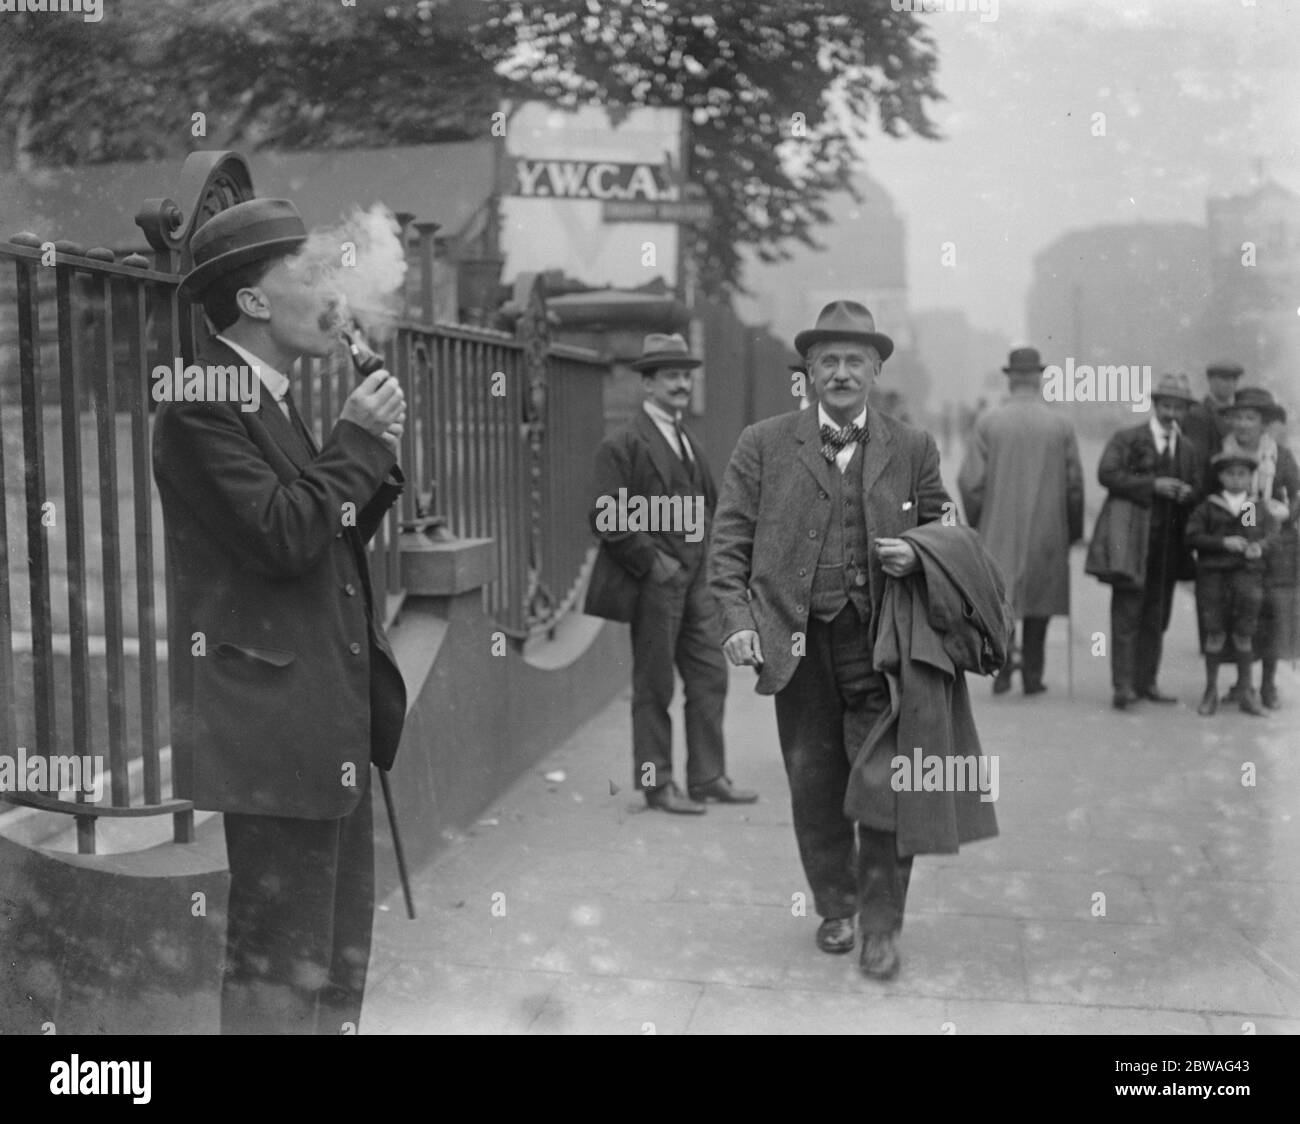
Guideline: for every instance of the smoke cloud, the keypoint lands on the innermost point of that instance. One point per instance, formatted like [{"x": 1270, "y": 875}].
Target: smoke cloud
[{"x": 361, "y": 259}]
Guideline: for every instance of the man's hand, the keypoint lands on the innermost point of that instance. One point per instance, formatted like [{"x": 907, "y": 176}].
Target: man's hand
[
  {"x": 393, "y": 437},
  {"x": 897, "y": 558},
  {"x": 742, "y": 649},
  {"x": 1169, "y": 487},
  {"x": 1234, "y": 544},
  {"x": 1254, "y": 550},
  {"x": 375, "y": 405}
]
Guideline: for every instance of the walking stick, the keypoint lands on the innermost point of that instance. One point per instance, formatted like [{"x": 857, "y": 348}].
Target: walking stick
[{"x": 397, "y": 845}]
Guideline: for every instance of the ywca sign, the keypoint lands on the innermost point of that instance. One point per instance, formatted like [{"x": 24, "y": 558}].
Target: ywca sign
[{"x": 581, "y": 179}]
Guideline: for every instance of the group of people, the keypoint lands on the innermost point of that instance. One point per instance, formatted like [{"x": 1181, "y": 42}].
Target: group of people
[
  {"x": 1201, "y": 490},
  {"x": 819, "y": 509},
  {"x": 831, "y": 561}
]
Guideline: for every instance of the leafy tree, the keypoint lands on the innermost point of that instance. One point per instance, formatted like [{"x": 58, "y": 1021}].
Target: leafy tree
[{"x": 779, "y": 93}]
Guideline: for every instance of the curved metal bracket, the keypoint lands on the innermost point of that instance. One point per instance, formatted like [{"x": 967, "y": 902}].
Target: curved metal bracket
[{"x": 210, "y": 182}]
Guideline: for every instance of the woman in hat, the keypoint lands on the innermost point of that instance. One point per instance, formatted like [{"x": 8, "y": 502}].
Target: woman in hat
[{"x": 1275, "y": 484}]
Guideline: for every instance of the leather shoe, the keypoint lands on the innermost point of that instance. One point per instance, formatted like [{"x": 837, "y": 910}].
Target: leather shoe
[
  {"x": 1268, "y": 696},
  {"x": 1035, "y": 688},
  {"x": 1233, "y": 694},
  {"x": 1209, "y": 702},
  {"x": 1152, "y": 694},
  {"x": 669, "y": 798},
  {"x": 1002, "y": 682},
  {"x": 1123, "y": 700},
  {"x": 724, "y": 792},
  {"x": 835, "y": 935},
  {"x": 879, "y": 959},
  {"x": 1250, "y": 703}
]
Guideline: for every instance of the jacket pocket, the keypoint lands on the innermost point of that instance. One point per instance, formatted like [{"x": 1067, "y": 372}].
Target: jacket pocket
[{"x": 253, "y": 657}]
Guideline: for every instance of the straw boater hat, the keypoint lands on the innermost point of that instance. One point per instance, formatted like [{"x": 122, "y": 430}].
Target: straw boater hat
[
  {"x": 659, "y": 350},
  {"x": 1024, "y": 361},
  {"x": 1227, "y": 459},
  {"x": 1257, "y": 398},
  {"x": 238, "y": 235},
  {"x": 1173, "y": 386},
  {"x": 845, "y": 320}
]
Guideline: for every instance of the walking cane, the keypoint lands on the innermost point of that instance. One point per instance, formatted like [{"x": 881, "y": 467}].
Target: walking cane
[
  {"x": 397, "y": 845},
  {"x": 367, "y": 362}
]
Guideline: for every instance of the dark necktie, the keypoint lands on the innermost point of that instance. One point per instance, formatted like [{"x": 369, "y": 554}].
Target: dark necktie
[
  {"x": 834, "y": 440},
  {"x": 1166, "y": 461},
  {"x": 683, "y": 448},
  {"x": 299, "y": 425}
]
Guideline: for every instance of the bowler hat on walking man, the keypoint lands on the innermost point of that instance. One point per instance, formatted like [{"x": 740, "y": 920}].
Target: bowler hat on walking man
[
  {"x": 845, "y": 320},
  {"x": 238, "y": 235},
  {"x": 1224, "y": 368},
  {"x": 659, "y": 350},
  {"x": 1024, "y": 361}
]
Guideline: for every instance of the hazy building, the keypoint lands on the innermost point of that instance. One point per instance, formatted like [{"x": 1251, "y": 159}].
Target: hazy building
[
  {"x": 1255, "y": 269},
  {"x": 964, "y": 362}
]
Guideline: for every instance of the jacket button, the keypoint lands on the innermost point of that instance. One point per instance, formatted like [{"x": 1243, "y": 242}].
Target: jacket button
[
  {"x": 802, "y": 572},
  {"x": 800, "y": 609},
  {"x": 825, "y": 496},
  {"x": 354, "y": 648},
  {"x": 350, "y": 589},
  {"x": 812, "y": 534}
]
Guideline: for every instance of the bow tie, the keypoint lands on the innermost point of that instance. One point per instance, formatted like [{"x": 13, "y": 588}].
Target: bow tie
[{"x": 833, "y": 440}]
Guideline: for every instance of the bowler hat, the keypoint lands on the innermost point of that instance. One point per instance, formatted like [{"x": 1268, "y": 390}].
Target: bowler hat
[
  {"x": 1173, "y": 386},
  {"x": 1257, "y": 398},
  {"x": 659, "y": 350},
  {"x": 1024, "y": 360},
  {"x": 1224, "y": 367},
  {"x": 244, "y": 233},
  {"x": 1226, "y": 459},
  {"x": 845, "y": 320}
]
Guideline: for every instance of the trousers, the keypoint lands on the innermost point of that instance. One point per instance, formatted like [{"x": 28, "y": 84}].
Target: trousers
[
  {"x": 677, "y": 623},
  {"x": 823, "y": 716},
  {"x": 301, "y": 909}
]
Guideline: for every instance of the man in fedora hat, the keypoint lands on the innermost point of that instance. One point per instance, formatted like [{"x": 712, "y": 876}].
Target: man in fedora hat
[
  {"x": 1155, "y": 466},
  {"x": 1022, "y": 487},
  {"x": 806, "y": 532},
  {"x": 1207, "y": 422},
  {"x": 284, "y": 687},
  {"x": 653, "y": 508}
]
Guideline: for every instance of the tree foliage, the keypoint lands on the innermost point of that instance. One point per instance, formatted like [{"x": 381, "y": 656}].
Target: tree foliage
[{"x": 779, "y": 94}]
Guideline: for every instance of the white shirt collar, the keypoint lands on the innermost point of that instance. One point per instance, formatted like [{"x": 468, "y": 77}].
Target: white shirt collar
[
  {"x": 659, "y": 414},
  {"x": 277, "y": 384},
  {"x": 823, "y": 418},
  {"x": 1159, "y": 436}
]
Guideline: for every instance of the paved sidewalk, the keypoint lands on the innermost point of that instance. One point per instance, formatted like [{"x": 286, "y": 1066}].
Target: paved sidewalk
[{"x": 615, "y": 919}]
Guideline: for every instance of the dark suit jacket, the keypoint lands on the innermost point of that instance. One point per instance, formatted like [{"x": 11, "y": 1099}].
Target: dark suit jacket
[
  {"x": 1128, "y": 469},
  {"x": 639, "y": 459},
  {"x": 293, "y": 680},
  {"x": 774, "y": 513}
]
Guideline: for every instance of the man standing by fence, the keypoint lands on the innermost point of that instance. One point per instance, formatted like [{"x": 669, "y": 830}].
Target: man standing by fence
[
  {"x": 1022, "y": 488},
  {"x": 284, "y": 687},
  {"x": 652, "y": 575}
]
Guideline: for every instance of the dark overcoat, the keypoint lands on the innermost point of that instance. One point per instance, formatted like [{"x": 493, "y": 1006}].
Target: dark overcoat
[
  {"x": 284, "y": 686},
  {"x": 639, "y": 459},
  {"x": 775, "y": 511},
  {"x": 1128, "y": 468}
]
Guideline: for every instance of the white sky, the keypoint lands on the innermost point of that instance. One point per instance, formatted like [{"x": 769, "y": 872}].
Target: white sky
[{"x": 1194, "y": 91}]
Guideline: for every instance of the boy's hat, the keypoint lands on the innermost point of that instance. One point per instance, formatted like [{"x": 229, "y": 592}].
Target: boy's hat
[
  {"x": 258, "y": 228},
  {"x": 1227, "y": 459}
]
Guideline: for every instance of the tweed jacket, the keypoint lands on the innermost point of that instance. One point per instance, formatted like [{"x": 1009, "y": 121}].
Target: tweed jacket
[
  {"x": 773, "y": 516},
  {"x": 284, "y": 687}
]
